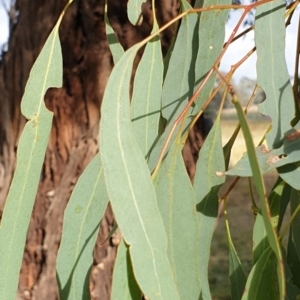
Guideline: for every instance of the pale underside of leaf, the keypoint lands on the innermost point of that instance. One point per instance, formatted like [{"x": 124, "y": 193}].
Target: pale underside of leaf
[
  {"x": 146, "y": 97},
  {"x": 175, "y": 96},
  {"x": 81, "y": 224},
  {"x": 124, "y": 285},
  {"x": 130, "y": 188},
  {"x": 177, "y": 205},
  {"x": 134, "y": 11},
  {"x": 46, "y": 72},
  {"x": 206, "y": 186}
]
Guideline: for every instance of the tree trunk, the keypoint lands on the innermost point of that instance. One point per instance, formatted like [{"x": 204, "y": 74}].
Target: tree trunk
[{"x": 87, "y": 63}]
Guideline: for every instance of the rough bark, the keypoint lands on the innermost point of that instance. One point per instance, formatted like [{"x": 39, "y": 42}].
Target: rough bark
[{"x": 74, "y": 137}]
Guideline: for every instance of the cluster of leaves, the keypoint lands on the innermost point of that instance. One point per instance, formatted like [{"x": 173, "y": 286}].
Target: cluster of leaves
[{"x": 166, "y": 221}]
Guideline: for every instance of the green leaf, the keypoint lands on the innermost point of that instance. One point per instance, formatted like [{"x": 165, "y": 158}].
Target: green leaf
[
  {"x": 211, "y": 34},
  {"x": 262, "y": 282},
  {"x": 273, "y": 78},
  {"x": 292, "y": 292},
  {"x": 206, "y": 186},
  {"x": 114, "y": 45},
  {"x": 124, "y": 285},
  {"x": 260, "y": 239},
  {"x": 46, "y": 72},
  {"x": 272, "y": 73},
  {"x": 175, "y": 96},
  {"x": 134, "y": 10},
  {"x": 145, "y": 103},
  {"x": 290, "y": 174},
  {"x": 268, "y": 160},
  {"x": 82, "y": 219},
  {"x": 236, "y": 273},
  {"x": 293, "y": 252},
  {"x": 265, "y": 210},
  {"x": 130, "y": 187},
  {"x": 177, "y": 205},
  {"x": 293, "y": 258}
]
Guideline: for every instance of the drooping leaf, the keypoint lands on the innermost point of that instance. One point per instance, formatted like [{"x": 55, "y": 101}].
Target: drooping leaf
[
  {"x": 114, "y": 45},
  {"x": 130, "y": 189},
  {"x": 264, "y": 206},
  {"x": 175, "y": 96},
  {"x": 236, "y": 273},
  {"x": 146, "y": 97},
  {"x": 260, "y": 239},
  {"x": 273, "y": 78},
  {"x": 177, "y": 205},
  {"x": 262, "y": 282},
  {"x": 206, "y": 186},
  {"x": 82, "y": 219},
  {"x": 293, "y": 251},
  {"x": 211, "y": 35},
  {"x": 292, "y": 292},
  {"x": 46, "y": 72},
  {"x": 293, "y": 259},
  {"x": 124, "y": 285},
  {"x": 134, "y": 10},
  {"x": 272, "y": 73}
]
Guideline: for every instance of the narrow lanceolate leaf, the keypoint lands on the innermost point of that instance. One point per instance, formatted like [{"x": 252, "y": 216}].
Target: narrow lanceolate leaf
[
  {"x": 124, "y": 285},
  {"x": 293, "y": 259},
  {"x": 236, "y": 274},
  {"x": 177, "y": 205},
  {"x": 206, "y": 186},
  {"x": 272, "y": 74},
  {"x": 260, "y": 239},
  {"x": 82, "y": 219},
  {"x": 130, "y": 187},
  {"x": 293, "y": 250},
  {"x": 114, "y": 45},
  {"x": 211, "y": 35},
  {"x": 273, "y": 78},
  {"x": 145, "y": 102},
  {"x": 264, "y": 206},
  {"x": 180, "y": 77},
  {"x": 262, "y": 282},
  {"x": 134, "y": 11},
  {"x": 46, "y": 72}
]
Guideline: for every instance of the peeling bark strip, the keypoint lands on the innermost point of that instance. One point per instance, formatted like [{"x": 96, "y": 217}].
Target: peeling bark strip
[{"x": 74, "y": 137}]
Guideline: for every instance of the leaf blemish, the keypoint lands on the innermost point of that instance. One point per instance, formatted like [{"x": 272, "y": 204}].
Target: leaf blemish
[
  {"x": 273, "y": 159},
  {"x": 264, "y": 149}
]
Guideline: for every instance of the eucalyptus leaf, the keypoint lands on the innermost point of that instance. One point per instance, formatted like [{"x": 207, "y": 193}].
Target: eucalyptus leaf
[
  {"x": 268, "y": 159},
  {"x": 133, "y": 201},
  {"x": 262, "y": 282},
  {"x": 206, "y": 186},
  {"x": 274, "y": 79},
  {"x": 46, "y": 72},
  {"x": 124, "y": 285},
  {"x": 134, "y": 10},
  {"x": 175, "y": 96},
  {"x": 81, "y": 224},
  {"x": 264, "y": 205},
  {"x": 177, "y": 205},
  {"x": 146, "y": 96}
]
